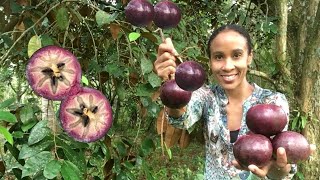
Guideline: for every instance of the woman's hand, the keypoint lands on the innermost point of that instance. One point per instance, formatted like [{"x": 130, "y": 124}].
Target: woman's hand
[
  {"x": 165, "y": 64},
  {"x": 275, "y": 169}
]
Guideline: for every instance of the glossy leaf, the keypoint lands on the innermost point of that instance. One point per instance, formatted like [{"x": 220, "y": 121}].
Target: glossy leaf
[
  {"x": 52, "y": 169},
  {"x": 69, "y": 171},
  {"x": 29, "y": 151},
  {"x": 8, "y": 117},
  {"x": 36, "y": 163},
  {"x": 7, "y": 103},
  {"x": 39, "y": 132}
]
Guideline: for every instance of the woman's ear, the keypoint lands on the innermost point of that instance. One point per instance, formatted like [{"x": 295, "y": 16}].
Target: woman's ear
[{"x": 250, "y": 57}]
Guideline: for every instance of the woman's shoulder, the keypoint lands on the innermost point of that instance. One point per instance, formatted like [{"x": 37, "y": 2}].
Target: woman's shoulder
[{"x": 268, "y": 95}]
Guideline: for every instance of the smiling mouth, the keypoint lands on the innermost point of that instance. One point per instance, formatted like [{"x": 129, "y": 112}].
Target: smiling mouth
[{"x": 229, "y": 78}]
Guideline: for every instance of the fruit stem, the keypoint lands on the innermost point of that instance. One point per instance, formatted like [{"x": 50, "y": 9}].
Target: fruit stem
[{"x": 164, "y": 39}]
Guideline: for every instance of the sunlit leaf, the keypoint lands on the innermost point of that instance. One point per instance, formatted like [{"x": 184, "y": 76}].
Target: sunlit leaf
[
  {"x": 6, "y": 134},
  {"x": 84, "y": 80},
  {"x": 34, "y": 44},
  {"x": 134, "y": 36}
]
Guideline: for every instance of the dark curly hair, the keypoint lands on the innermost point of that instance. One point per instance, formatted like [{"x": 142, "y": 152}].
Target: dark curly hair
[{"x": 233, "y": 27}]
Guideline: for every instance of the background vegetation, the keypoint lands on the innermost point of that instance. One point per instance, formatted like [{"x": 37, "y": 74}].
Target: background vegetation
[{"x": 116, "y": 58}]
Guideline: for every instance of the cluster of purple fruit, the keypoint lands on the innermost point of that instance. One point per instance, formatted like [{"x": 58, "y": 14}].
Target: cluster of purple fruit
[
  {"x": 266, "y": 122},
  {"x": 165, "y": 14},
  {"x": 175, "y": 93},
  {"x": 55, "y": 74}
]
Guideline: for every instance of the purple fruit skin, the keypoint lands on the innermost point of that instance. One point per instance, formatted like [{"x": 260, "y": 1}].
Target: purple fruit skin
[
  {"x": 266, "y": 119},
  {"x": 93, "y": 135},
  {"x": 173, "y": 96},
  {"x": 190, "y": 75},
  {"x": 139, "y": 12},
  {"x": 166, "y": 14},
  {"x": 253, "y": 149},
  {"x": 296, "y": 146},
  {"x": 46, "y": 92}
]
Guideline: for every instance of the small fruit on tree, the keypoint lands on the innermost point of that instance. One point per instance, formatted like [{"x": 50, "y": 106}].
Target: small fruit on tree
[
  {"x": 166, "y": 14},
  {"x": 139, "y": 12},
  {"x": 190, "y": 75},
  {"x": 173, "y": 96}
]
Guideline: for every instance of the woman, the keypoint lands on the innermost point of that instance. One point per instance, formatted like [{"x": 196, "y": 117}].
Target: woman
[{"x": 223, "y": 106}]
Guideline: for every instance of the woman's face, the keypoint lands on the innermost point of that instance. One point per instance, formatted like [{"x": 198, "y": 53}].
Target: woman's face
[{"x": 230, "y": 59}]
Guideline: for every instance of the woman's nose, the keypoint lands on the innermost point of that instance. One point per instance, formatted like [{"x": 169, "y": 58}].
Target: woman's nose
[{"x": 228, "y": 65}]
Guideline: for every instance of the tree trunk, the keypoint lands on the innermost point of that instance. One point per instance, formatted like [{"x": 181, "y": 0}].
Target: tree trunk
[{"x": 304, "y": 43}]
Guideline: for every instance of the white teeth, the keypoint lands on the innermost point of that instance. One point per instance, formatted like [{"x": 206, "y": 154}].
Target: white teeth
[{"x": 228, "y": 77}]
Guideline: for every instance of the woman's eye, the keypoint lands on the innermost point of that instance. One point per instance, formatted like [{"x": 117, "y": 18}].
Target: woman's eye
[
  {"x": 218, "y": 57},
  {"x": 237, "y": 55}
]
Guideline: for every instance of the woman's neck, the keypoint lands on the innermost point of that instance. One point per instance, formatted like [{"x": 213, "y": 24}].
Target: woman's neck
[{"x": 241, "y": 93}]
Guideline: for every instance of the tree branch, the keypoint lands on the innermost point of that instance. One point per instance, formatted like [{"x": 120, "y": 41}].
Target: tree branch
[
  {"x": 262, "y": 75},
  {"x": 5, "y": 56}
]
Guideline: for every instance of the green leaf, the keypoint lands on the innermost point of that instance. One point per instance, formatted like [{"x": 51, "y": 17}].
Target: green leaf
[
  {"x": 62, "y": 18},
  {"x": 26, "y": 126},
  {"x": 147, "y": 146},
  {"x": 26, "y": 114},
  {"x": 6, "y": 134},
  {"x": 17, "y": 134},
  {"x": 69, "y": 171},
  {"x": 75, "y": 157},
  {"x": 146, "y": 66},
  {"x": 46, "y": 40},
  {"x": 84, "y": 80},
  {"x": 38, "y": 132},
  {"x": 295, "y": 121},
  {"x": 33, "y": 45},
  {"x": 7, "y": 116},
  {"x": 29, "y": 151},
  {"x": 15, "y": 7},
  {"x": 36, "y": 163},
  {"x": 52, "y": 169},
  {"x": 103, "y": 17},
  {"x": 154, "y": 80},
  {"x": 134, "y": 36},
  {"x": 303, "y": 121},
  {"x": 168, "y": 151},
  {"x": 121, "y": 92},
  {"x": 144, "y": 90},
  {"x": 7, "y": 103},
  {"x": 122, "y": 150}
]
